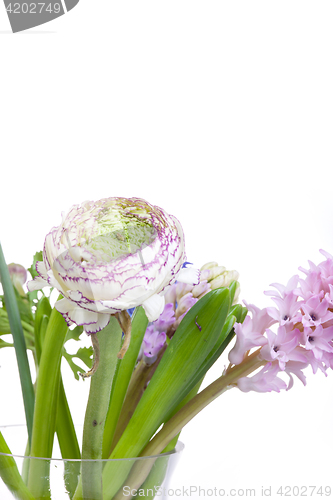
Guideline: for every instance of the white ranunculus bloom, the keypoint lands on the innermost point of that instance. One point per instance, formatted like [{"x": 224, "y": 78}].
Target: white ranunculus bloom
[{"x": 112, "y": 255}]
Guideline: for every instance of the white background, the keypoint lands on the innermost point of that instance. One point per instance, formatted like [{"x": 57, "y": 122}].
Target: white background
[{"x": 221, "y": 113}]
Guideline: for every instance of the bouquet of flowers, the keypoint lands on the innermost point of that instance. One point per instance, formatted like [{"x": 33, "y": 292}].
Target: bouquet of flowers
[{"x": 157, "y": 324}]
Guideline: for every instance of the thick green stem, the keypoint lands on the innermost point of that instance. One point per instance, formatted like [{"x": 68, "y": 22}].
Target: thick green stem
[
  {"x": 19, "y": 344},
  {"x": 46, "y": 405},
  {"x": 10, "y": 475},
  {"x": 98, "y": 403},
  {"x": 200, "y": 401}
]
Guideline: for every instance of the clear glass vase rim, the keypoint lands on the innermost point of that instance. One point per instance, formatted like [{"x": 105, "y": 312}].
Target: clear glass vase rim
[{"x": 179, "y": 447}]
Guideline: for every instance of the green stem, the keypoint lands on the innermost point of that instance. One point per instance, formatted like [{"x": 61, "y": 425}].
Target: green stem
[
  {"x": 200, "y": 401},
  {"x": 98, "y": 403},
  {"x": 46, "y": 405},
  {"x": 10, "y": 475},
  {"x": 19, "y": 343}
]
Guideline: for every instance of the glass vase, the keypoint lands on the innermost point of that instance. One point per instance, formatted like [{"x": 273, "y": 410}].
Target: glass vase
[{"x": 61, "y": 479}]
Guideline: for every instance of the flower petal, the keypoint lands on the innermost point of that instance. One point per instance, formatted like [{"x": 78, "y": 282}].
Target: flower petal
[
  {"x": 36, "y": 284},
  {"x": 154, "y": 307},
  {"x": 189, "y": 275}
]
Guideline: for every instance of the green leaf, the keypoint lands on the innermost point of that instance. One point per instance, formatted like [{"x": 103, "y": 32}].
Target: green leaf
[
  {"x": 19, "y": 343},
  {"x": 225, "y": 337},
  {"x": 85, "y": 354},
  {"x": 74, "y": 334}
]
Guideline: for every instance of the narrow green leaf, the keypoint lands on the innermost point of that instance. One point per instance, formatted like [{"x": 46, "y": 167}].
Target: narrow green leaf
[
  {"x": 19, "y": 343},
  {"x": 46, "y": 404}
]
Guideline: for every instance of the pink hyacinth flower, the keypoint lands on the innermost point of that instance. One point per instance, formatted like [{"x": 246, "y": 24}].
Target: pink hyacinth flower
[
  {"x": 288, "y": 308},
  {"x": 250, "y": 333},
  {"x": 318, "y": 340},
  {"x": 282, "y": 289},
  {"x": 316, "y": 311},
  {"x": 264, "y": 381},
  {"x": 281, "y": 347}
]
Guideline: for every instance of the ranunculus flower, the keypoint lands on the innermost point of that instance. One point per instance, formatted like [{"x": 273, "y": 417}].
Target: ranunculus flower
[{"x": 112, "y": 255}]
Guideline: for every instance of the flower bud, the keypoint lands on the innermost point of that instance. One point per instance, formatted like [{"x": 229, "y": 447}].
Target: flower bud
[
  {"x": 153, "y": 341},
  {"x": 224, "y": 279},
  {"x": 211, "y": 270},
  {"x": 201, "y": 289},
  {"x": 209, "y": 265},
  {"x": 18, "y": 275},
  {"x": 185, "y": 303}
]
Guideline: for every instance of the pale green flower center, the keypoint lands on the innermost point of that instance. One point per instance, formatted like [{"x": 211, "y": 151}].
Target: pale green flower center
[{"x": 113, "y": 235}]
